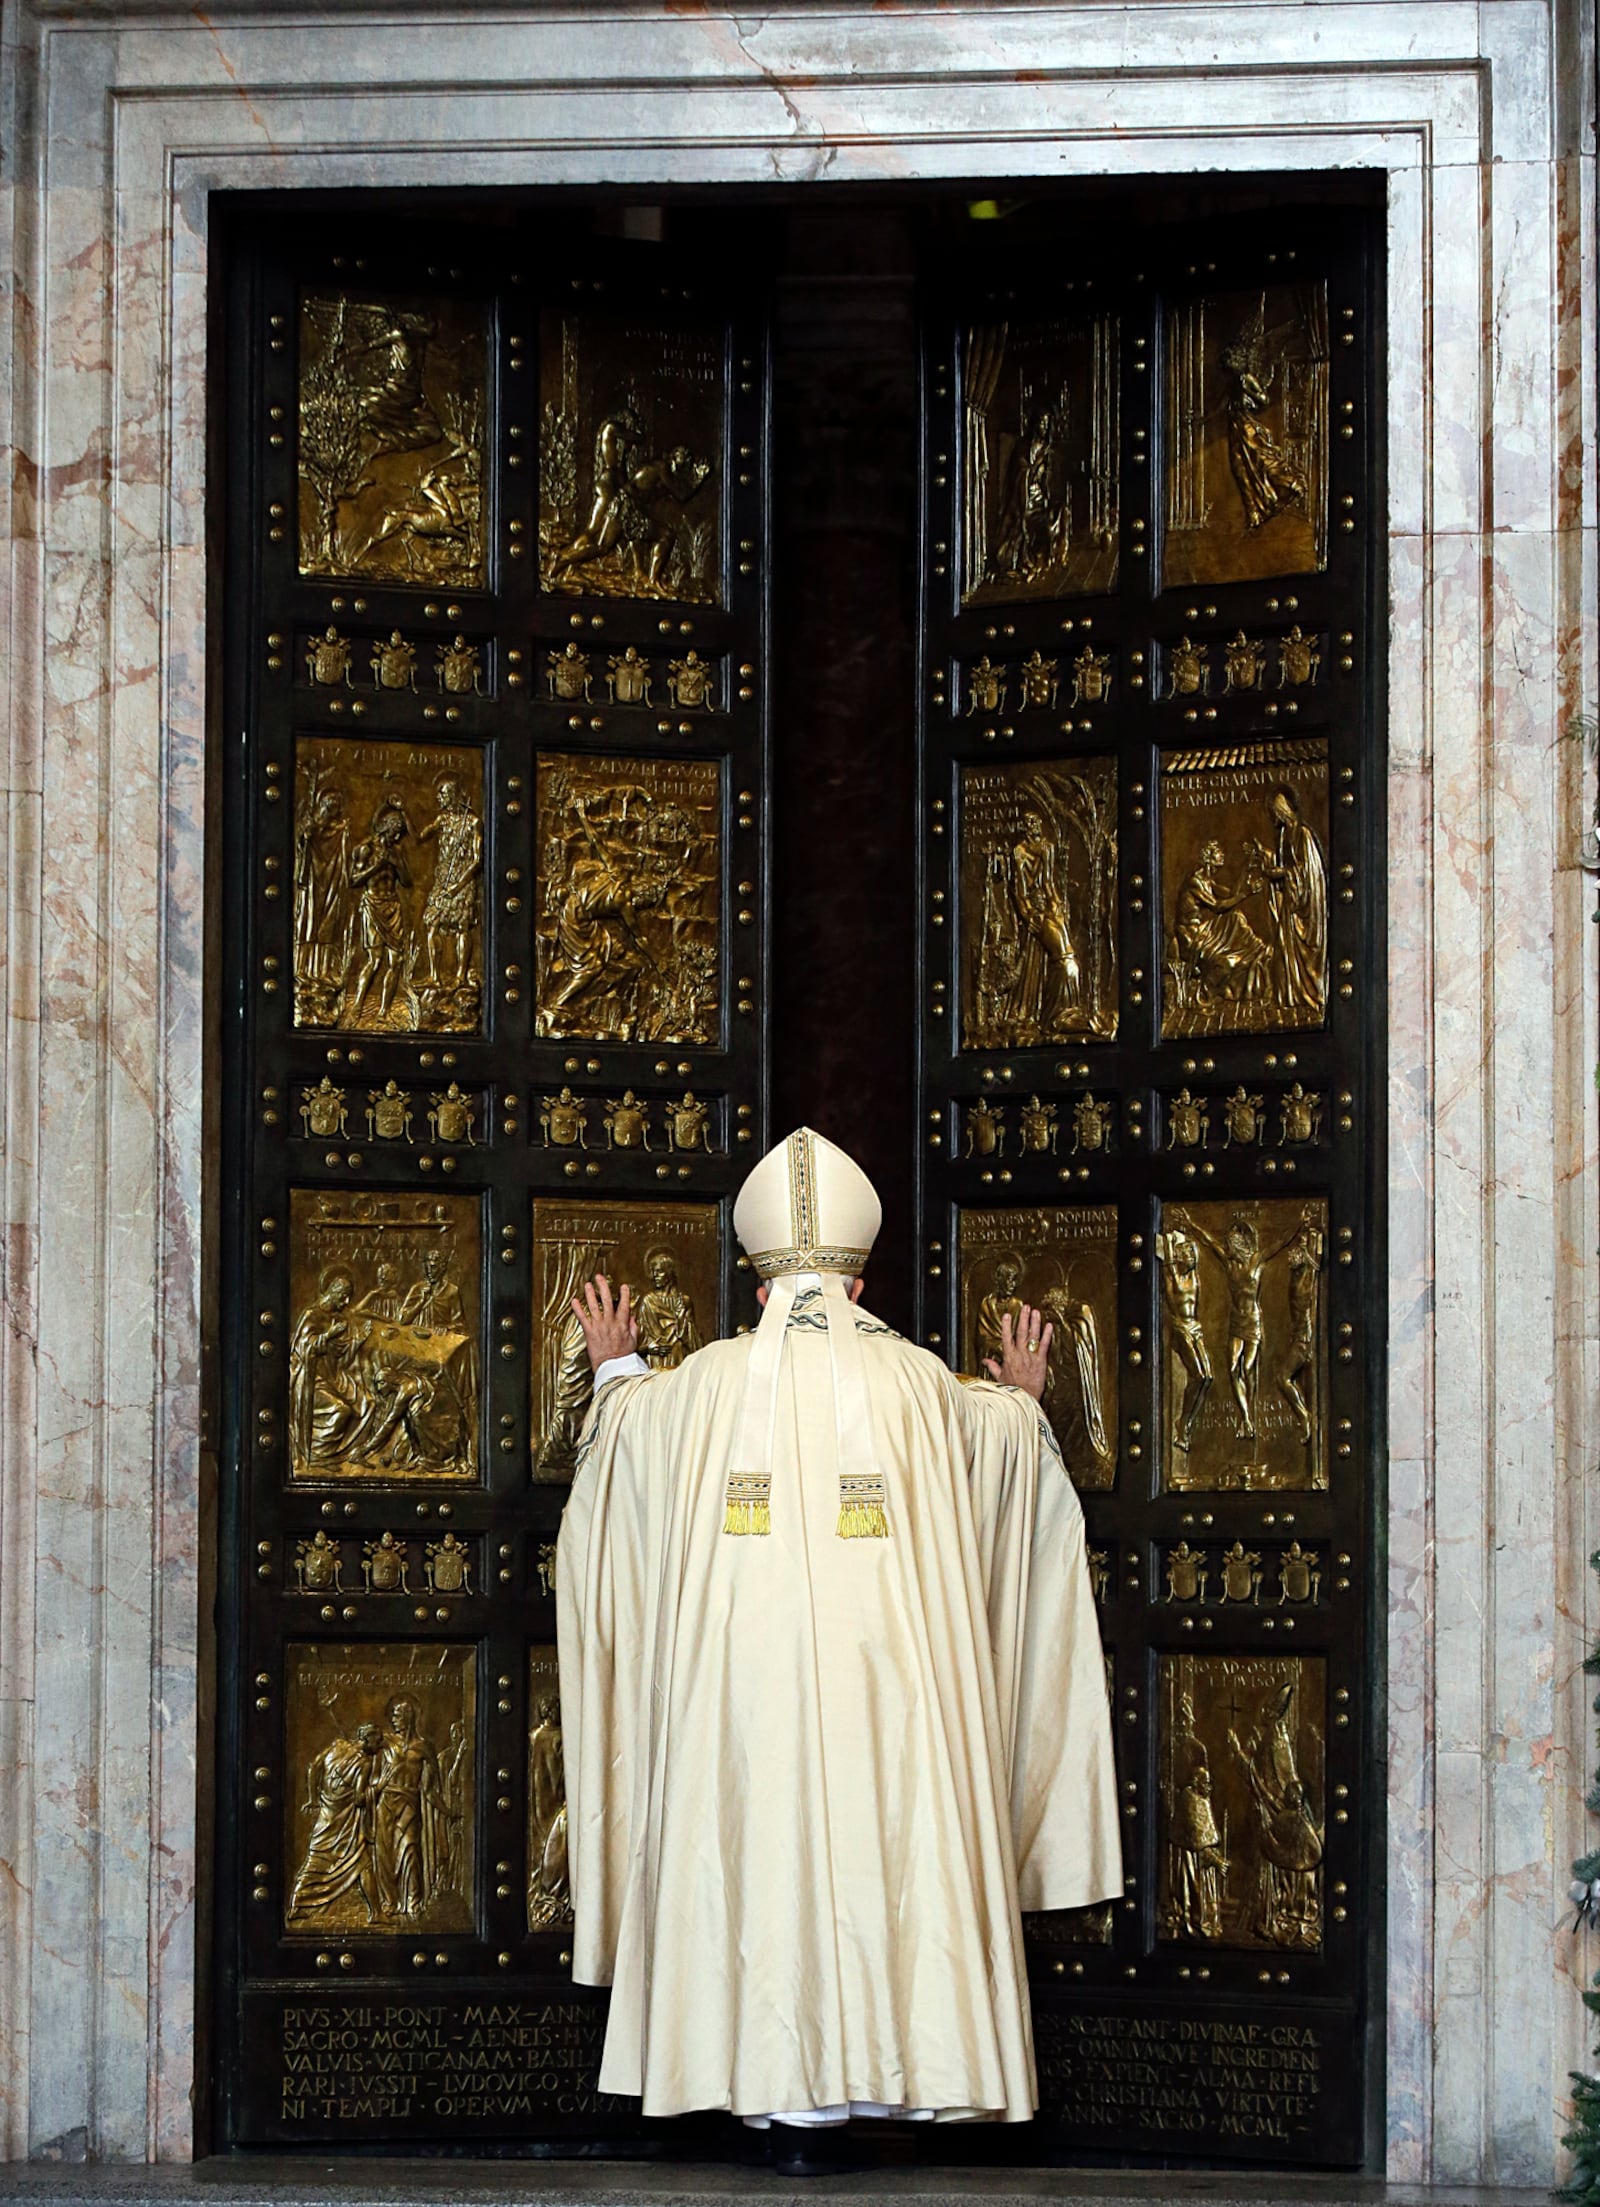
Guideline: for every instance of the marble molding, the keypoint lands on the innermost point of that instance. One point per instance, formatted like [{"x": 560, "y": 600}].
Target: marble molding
[{"x": 120, "y": 123}]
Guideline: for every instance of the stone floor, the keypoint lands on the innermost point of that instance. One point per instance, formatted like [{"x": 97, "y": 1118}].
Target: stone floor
[{"x": 264, "y": 2180}]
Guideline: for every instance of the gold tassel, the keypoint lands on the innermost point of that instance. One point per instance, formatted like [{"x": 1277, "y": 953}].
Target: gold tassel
[
  {"x": 749, "y": 1509},
  {"x": 862, "y": 1511}
]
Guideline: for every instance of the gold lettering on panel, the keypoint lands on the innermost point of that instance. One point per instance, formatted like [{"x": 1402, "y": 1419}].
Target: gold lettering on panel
[
  {"x": 631, "y": 457},
  {"x": 1242, "y": 1772},
  {"x": 384, "y": 1303},
  {"x": 670, "y": 1255},
  {"x": 1038, "y": 904},
  {"x": 381, "y": 1788},
  {"x": 1244, "y": 1346},
  {"x": 1040, "y": 410},
  {"x": 628, "y": 930},
  {"x": 1247, "y": 435},
  {"x": 1244, "y": 889},
  {"x": 388, "y": 887},
  {"x": 393, "y": 402},
  {"x": 549, "y": 1888},
  {"x": 1064, "y": 1263}
]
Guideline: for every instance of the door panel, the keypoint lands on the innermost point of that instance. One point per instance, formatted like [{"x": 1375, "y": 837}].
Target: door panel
[
  {"x": 1152, "y": 1092},
  {"x": 494, "y": 1015}
]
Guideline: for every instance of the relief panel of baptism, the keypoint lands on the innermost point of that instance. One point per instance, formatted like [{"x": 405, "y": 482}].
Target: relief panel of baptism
[{"x": 556, "y": 619}]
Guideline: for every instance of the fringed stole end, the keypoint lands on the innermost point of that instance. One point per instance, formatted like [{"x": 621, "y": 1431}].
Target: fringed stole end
[
  {"x": 863, "y": 1521},
  {"x": 749, "y": 1505}
]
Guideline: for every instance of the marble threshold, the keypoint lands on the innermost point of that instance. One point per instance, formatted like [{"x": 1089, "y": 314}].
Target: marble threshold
[{"x": 284, "y": 2180}]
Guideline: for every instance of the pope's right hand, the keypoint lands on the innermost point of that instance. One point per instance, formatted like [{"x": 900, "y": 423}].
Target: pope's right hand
[
  {"x": 1024, "y": 1357},
  {"x": 609, "y": 1329}
]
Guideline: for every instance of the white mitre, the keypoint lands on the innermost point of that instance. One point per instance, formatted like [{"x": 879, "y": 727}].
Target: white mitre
[{"x": 807, "y": 1207}]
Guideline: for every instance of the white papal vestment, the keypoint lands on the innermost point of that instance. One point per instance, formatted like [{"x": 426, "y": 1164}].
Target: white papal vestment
[{"x": 813, "y": 1779}]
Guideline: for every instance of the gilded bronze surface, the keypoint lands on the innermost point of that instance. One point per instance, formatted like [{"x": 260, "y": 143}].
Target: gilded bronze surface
[
  {"x": 628, "y": 930},
  {"x": 1242, "y": 1759},
  {"x": 1246, "y": 392},
  {"x": 1038, "y": 888},
  {"x": 670, "y": 1255},
  {"x": 631, "y": 457},
  {"x": 1040, "y": 410},
  {"x": 388, "y": 887},
  {"x": 393, "y": 405},
  {"x": 549, "y": 1890},
  {"x": 384, "y": 1336},
  {"x": 1244, "y": 889},
  {"x": 1064, "y": 1262},
  {"x": 1244, "y": 1346},
  {"x": 380, "y": 1788}
]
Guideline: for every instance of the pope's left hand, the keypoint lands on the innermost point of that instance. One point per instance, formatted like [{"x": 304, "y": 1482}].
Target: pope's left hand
[
  {"x": 1024, "y": 1353},
  {"x": 609, "y": 1329}
]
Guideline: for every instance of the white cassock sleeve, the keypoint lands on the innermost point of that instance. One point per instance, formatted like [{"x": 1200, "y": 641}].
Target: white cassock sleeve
[{"x": 1050, "y": 1674}]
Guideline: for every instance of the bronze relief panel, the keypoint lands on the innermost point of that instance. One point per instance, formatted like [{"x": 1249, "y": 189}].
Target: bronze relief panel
[
  {"x": 384, "y": 1317},
  {"x": 1244, "y": 1346},
  {"x": 1062, "y": 1261},
  {"x": 629, "y": 916},
  {"x": 1040, "y": 405},
  {"x": 1246, "y": 393},
  {"x": 671, "y": 1257},
  {"x": 388, "y": 886},
  {"x": 549, "y": 1887},
  {"x": 1038, "y": 888},
  {"x": 1242, "y": 1774},
  {"x": 632, "y": 440},
  {"x": 381, "y": 1787},
  {"x": 1244, "y": 889},
  {"x": 393, "y": 408}
]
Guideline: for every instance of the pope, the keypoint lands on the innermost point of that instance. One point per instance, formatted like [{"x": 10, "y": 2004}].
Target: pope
[{"x": 832, "y": 1690}]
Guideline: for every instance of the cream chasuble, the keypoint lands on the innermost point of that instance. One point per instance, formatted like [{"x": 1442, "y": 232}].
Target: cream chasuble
[{"x": 834, "y": 1708}]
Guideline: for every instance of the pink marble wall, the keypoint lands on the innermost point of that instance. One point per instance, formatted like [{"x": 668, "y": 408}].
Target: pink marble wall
[{"x": 119, "y": 125}]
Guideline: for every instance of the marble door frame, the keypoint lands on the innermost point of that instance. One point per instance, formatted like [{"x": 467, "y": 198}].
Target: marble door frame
[{"x": 122, "y": 122}]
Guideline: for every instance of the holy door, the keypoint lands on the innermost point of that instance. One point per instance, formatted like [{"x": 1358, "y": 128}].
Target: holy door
[
  {"x": 1151, "y": 854},
  {"x": 493, "y": 903}
]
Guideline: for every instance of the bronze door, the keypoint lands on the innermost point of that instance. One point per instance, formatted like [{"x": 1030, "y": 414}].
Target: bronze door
[
  {"x": 493, "y": 927},
  {"x": 1152, "y": 1104}
]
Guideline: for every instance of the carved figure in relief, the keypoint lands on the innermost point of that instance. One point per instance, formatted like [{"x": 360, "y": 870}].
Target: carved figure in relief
[
  {"x": 1297, "y": 904},
  {"x": 324, "y": 1407},
  {"x": 322, "y": 1109},
  {"x": 452, "y": 1117},
  {"x": 1179, "y": 1253},
  {"x": 434, "y": 1302},
  {"x": 1241, "y": 1574},
  {"x": 1297, "y": 1377},
  {"x": 1242, "y": 1118},
  {"x": 1188, "y": 1121},
  {"x": 388, "y": 1113},
  {"x": 986, "y": 687},
  {"x": 1286, "y": 1909},
  {"x": 638, "y": 534},
  {"x": 1074, "y": 1397},
  {"x": 545, "y": 1566},
  {"x": 628, "y": 678},
  {"x": 1037, "y": 679},
  {"x": 380, "y": 874},
  {"x": 1004, "y": 1300},
  {"x": 322, "y": 912},
  {"x": 386, "y": 1294},
  {"x": 1243, "y": 1260},
  {"x": 1188, "y": 668},
  {"x": 1298, "y": 659},
  {"x": 1217, "y": 961},
  {"x": 1039, "y": 868},
  {"x": 1299, "y": 1116},
  {"x": 1091, "y": 1124},
  {"x": 458, "y": 667},
  {"x": 1268, "y": 476},
  {"x": 319, "y": 1565},
  {"x": 1197, "y": 1860},
  {"x": 986, "y": 1129},
  {"x": 1100, "y": 1572},
  {"x": 627, "y": 1123},
  {"x": 1038, "y": 1125},
  {"x": 329, "y": 658},
  {"x": 1187, "y": 1573},
  {"x": 386, "y": 1565},
  {"x": 687, "y": 1121},
  {"x": 394, "y": 663},
  {"x": 450, "y": 915},
  {"x": 668, "y": 1331},
  {"x": 1091, "y": 677},
  {"x": 448, "y": 1563},
  {"x": 416, "y": 1836},
  {"x": 569, "y": 1400},
  {"x": 1244, "y": 661},
  {"x": 565, "y": 1121},
  {"x": 567, "y": 673},
  {"x": 549, "y": 1893},
  {"x": 691, "y": 683},
  {"x": 339, "y": 1852}
]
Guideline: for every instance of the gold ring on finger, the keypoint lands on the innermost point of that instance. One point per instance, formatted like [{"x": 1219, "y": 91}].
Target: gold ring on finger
[{"x": 1033, "y": 1348}]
